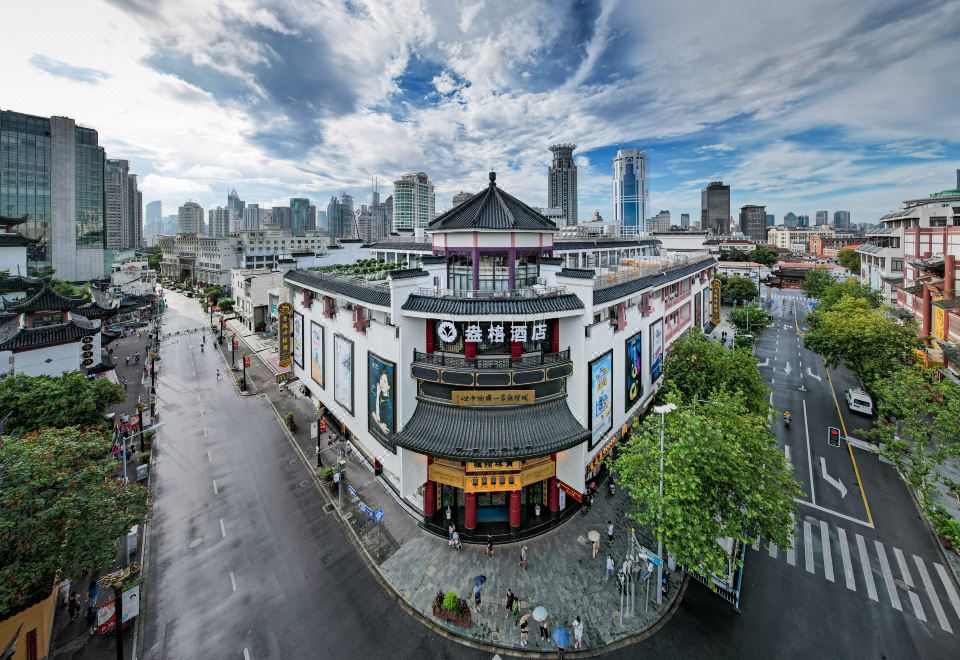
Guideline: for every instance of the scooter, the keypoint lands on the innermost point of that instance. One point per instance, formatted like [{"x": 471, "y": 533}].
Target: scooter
[{"x": 786, "y": 422}]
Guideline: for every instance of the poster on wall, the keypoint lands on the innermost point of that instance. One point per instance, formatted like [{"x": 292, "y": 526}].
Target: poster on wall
[
  {"x": 656, "y": 349},
  {"x": 697, "y": 318},
  {"x": 298, "y": 339},
  {"x": 381, "y": 393},
  {"x": 284, "y": 311},
  {"x": 633, "y": 376},
  {"x": 601, "y": 397},
  {"x": 343, "y": 372},
  {"x": 316, "y": 353}
]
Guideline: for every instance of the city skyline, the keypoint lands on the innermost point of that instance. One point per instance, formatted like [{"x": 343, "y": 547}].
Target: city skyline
[{"x": 802, "y": 129}]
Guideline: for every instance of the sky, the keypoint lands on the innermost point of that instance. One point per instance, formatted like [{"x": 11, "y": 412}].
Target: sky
[{"x": 817, "y": 105}]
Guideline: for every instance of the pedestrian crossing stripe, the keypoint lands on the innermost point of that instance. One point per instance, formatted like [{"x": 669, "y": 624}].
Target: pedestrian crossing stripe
[{"x": 933, "y": 585}]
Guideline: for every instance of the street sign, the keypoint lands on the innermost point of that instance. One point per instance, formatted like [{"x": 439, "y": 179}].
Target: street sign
[
  {"x": 351, "y": 490},
  {"x": 366, "y": 510},
  {"x": 378, "y": 515},
  {"x": 246, "y": 361},
  {"x": 655, "y": 560},
  {"x": 833, "y": 436},
  {"x": 236, "y": 344}
]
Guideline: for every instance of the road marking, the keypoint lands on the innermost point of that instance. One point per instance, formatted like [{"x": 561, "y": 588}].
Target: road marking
[
  {"x": 853, "y": 460},
  {"x": 223, "y": 532},
  {"x": 813, "y": 375},
  {"x": 948, "y": 585},
  {"x": 233, "y": 581},
  {"x": 209, "y": 458},
  {"x": 204, "y": 433},
  {"x": 246, "y": 653},
  {"x": 786, "y": 454},
  {"x": 215, "y": 491},
  {"x": 808, "y": 546},
  {"x": 905, "y": 571},
  {"x": 931, "y": 594},
  {"x": 792, "y": 552},
  {"x": 827, "y": 555},
  {"x": 836, "y": 483},
  {"x": 867, "y": 571},
  {"x": 786, "y": 369},
  {"x": 845, "y": 557},
  {"x": 772, "y": 549},
  {"x": 806, "y": 430},
  {"x": 835, "y": 513},
  {"x": 888, "y": 577}
]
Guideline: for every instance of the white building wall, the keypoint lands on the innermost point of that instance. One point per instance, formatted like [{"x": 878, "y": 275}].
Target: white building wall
[
  {"x": 63, "y": 358},
  {"x": 14, "y": 260}
]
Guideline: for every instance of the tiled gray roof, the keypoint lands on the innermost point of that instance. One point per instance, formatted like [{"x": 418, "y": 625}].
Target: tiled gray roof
[
  {"x": 492, "y": 306},
  {"x": 406, "y": 273},
  {"x": 433, "y": 260},
  {"x": 45, "y": 300},
  {"x": 577, "y": 273},
  {"x": 350, "y": 288},
  {"x": 492, "y": 209},
  {"x": 630, "y": 287},
  {"x": 947, "y": 303},
  {"x": 95, "y": 311},
  {"x": 560, "y": 245},
  {"x": 403, "y": 246},
  {"x": 17, "y": 283},
  {"x": 552, "y": 261},
  {"x": 15, "y": 240},
  {"x": 10, "y": 220},
  {"x": 458, "y": 432},
  {"x": 13, "y": 337}
]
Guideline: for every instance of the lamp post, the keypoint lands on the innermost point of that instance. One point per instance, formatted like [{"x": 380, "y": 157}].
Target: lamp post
[{"x": 662, "y": 411}]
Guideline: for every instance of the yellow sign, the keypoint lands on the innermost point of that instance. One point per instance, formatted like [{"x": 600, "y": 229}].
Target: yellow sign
[
  {"x": 491, "y": 483},
  {"x": 542, "y": 470},
  {"x": 939, "y": 324},
  {"x": 284, "y": 315},
  {"x": 445, "y": 474},
  {"x": 492, "y": 466},
  {"x": 493, "y": 397},
  {"x": 715, "y": 287}
]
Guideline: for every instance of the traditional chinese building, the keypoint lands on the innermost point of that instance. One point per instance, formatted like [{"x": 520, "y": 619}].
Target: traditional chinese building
[{"x": 493, "y": 379}]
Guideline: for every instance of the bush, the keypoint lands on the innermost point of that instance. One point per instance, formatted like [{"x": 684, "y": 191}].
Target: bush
[
  {"x": 144, "y": 457},
  {"x": 326, "y": 474},
  {"x": 450, "y": 602}
]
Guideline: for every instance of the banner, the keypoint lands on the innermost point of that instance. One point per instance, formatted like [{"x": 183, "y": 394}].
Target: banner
[
  {"x": 601, "y": 397},
  {"x": 715, "y": 289},
  {"x": 317, "y": 355},
  {"x": 697, "y": 311},
  {"x": 298, "y": 339},
  {"x": 343, "y": 372},
  {"x": 633, "y": 374},
  {"x": 656, "y": 349},
  {"x": 284, "y": 312},
  {"x": 381, "y": 398}
]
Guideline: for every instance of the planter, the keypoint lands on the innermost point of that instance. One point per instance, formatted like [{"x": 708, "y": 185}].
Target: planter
[{"x": 461, "y": 621}]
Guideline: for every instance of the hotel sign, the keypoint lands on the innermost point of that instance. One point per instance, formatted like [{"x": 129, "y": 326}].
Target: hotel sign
[
  {"x": 284, "y": 316},
  {"x": 715, "y": 287},
  {"x": 493, "y": 397}
]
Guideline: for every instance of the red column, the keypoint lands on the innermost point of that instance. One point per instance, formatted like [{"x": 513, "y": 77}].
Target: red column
[
  {"x": 430, "y": 335},
  {"x": 949, "y": 274},
  {"x": 554, "y": 495},
  {"x": 514, "y": 508},
  {"x": 925, "y": 312},
  {"x": 430, "y": 498},
  {"x": 469, "y": 350},
  {"x": 516, "y": 348},
  {"x": 470, "y": 510},
  {"x": 555, "y": 338}
]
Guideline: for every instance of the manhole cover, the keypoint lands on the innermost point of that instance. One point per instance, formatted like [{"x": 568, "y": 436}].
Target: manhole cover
[{"x": 195, "y": 542}]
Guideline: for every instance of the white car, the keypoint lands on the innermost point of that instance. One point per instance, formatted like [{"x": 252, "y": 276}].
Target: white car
[{"x": 859, "y": 401}]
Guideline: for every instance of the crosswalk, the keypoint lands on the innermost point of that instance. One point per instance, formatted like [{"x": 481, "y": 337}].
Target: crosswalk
[{"x": 884, "y": 574}]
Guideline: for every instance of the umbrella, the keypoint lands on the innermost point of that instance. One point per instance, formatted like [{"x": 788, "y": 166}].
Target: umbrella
[
  {"x": 593, "y": 535},
  {"x": 560, "y": 637},
  {"x": 540, "y": 613},
  {"x": 480, "y": 579}
]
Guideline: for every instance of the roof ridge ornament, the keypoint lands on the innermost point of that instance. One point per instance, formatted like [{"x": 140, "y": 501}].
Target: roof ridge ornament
[{"x": 493, "y": 179}]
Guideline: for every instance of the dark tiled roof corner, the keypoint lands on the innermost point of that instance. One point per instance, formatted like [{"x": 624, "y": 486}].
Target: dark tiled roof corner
[
  {"x": 492, "y": 306},
  {"x": 374, "y": 295},
  {"x": 15, "y": 240},
  {"x": 630, "y": 287},
  {"x": 552, "y": 261},
  {"x": 407, "y": 273},
  {"x": 45, "y": 300},
  {"x": 578, "y": 273},
  {"x": 492, "y": 209},
  {"x": 433, "y": 260},
  {"x": 22, "y": 338}
]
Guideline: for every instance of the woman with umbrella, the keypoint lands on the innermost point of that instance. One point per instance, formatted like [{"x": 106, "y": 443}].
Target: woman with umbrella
[
  {"x": 561, "y": 639},
  {"x": 540, "y": 616},
  {"x": 594, "y": 537}
]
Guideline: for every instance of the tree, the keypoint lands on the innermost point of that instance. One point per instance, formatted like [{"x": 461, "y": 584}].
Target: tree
[
  {"x": 697, "y": 368},
  {"x": 750, "y": 319},
  {"x": 154, "y": 259},
  {"x": 225, "y": 304},
  {"x": 851, "y": 288},
  {"x": 214, "y": 293},
  {"x": 738, "y": 289},
  {"x": 723, "y": 477},
  {"x": 870, "y": 342},
  {"x": 816, "y": 281},
  {"x": 764, "y": 255},
  {"x": 733, "y": 254},
  {"x": 61, "y": 510},
  {"x": 849, "y": 259},
  {"x": 72, "y": 399}
]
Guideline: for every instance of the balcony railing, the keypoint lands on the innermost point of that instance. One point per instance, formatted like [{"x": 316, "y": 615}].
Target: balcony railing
[
  {"x": 650, "y": 265},
  {"x": 528, "y": 292},
  {"x": 490, "y": 362}
]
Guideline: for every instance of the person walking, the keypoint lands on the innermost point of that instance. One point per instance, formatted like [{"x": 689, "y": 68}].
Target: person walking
[
  {"x": 488, "y": 551},
  {"x": 524, "y": 624},
  {"x": 125, "y": 383},
  {"x": 450, "y": 529},
  {"x": 516, "y": 610},
  {"x": 510, "y": 600},
  {"x": 577, "y": 633},
  {"x": 610, "y": 531},
  {"x": 74, "y": 605},
  {"x": 544, "y": 631},
  {"x": 456, "y": 541},
  {"x": 523, "y": 557},
  {"x": 127, "y": 360},
  {"x": 596, "y": 547},
  {"x": 65, "y": 591},
  {"x": 609, "y": 569},
  {"x": 476, "y": 596}
]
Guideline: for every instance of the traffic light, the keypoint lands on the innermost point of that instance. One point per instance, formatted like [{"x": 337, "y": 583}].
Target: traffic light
[{"x": 833, "y": 436}]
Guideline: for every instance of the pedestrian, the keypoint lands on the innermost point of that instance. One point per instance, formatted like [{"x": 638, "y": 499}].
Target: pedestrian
[
  {"x": 523, "y": 557},
  {"x": 93, "y": 591},
  {"x": 73, "y": 607},
  {"x": 65, "y": 591},
  {"x": 127, "y": 360},
  {"x": 544, "y": 631},
  {"x": 516, "y": 610},
  {"x": 92, "y": 618},
  {"x": 610, "y": 531},
  {"x": 476, "y": 596},
  {"x": 110, "y": 353},
  {"x": 510, "y": 600},
  {"x": 456, "y": 541},
  {"x": 536, "y": 511},
  {"x": 577, "y": 633},
  {"x": 450, "y": 530},
  {"x": 449, "y": 516},
  {"x": 125, "y": 382},
  {"x": 609, "y": 569},
  {"x": 524, "y": 623},
  {"x": 488, "y": 551},
  {"x": 596, "y": 547}
]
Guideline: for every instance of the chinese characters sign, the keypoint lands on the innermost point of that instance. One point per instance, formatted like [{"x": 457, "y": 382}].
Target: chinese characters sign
[
  {"x": 493, "y": 397},
  {"x": 715, "y": 287},
  {"x": 284, "y": 319}
]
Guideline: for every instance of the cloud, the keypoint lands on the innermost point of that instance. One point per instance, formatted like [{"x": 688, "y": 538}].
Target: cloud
[
  {"x": 720, "y": 148},
  {"x": 63, "y": 70}
]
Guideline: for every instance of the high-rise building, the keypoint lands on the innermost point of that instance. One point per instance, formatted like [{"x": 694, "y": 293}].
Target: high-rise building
[
  {"x": 348, "y": 228},
  {"x": 771, "y": 219},
  {"x": 461, "y": 197},
  {"x": 235, "y": 205},
  {"x": 312, "y": 218},
  {"x": 823, "y": 217},
  {"x": 253, "y": 217},
  {"x": 841, "y": 220},
  {"x": 282, "y": 217},
  {"x": 51, "y": 171},
  {"x": 124, "y": 215},
  {"x": 659, "y": 222},
  {"x": 684, "y": 221},
  {"x": 220, "y": 220},
  {"x": 562, "y": 183},
  {"x": 190, "y": 219},
  {"x": 414, "y": 203},
  {"x": 154, "y": 219},
  {"x": 715, "y": 208},
  {"x": 630, "y": 194},
  {"x": 171, "y": 225},
  {"x": 333, "y": 217},
  {"x": 299, "y": 215},
  {"x": 803, "y": 221},
  {"x": 753, "y": 222},
  {"x": 790, "y": 220},
  {"x": 322, "y": 223}
]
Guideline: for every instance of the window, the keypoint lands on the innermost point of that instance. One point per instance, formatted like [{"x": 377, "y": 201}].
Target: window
[{"x": 896, "y": 265}]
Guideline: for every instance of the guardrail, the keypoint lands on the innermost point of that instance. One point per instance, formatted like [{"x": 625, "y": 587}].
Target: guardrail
[
  {"x": 535, "y": 291},
  {"x": 490, "y": 362}
]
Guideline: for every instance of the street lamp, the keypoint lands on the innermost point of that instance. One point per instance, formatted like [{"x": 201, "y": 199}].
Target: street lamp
[{"x": 662, "y": 411}]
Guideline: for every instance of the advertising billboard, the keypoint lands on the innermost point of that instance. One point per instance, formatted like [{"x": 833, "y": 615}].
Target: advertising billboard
[
  {"x": 381, "y": 398},
  {"x": 284, "y": 312},
  {"x": 343, "y": 372},
  {"x": 316, "y": 353},
  {"x": 633, "y": 376},
  {"x": 656, "y": 349},
  {"x": 298, "y": 339},
  {"x": 601, "y": 397}
]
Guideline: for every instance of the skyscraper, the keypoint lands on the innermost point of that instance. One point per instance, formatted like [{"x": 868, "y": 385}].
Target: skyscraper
[
  {"x": 753, "y": 222},
  {"x": 414, "y": 202},
  {"x": 154, "y": 219},
  {"x": 333, "y": 217},
  {"x": 562, "y": 183},
  {"x": 235, "y": 205},
  {"x": 841, "y": 220},
  {"x": 322, "y": 224},
  {"x": 124, "y": 216},
  {"x": 299, "y": 215},
  {"x": 803, "y": 221},
  {"x": 715, "y": 208},
  {"x": 312, "y": 218},
  {"x": 771, "y": 219},
  {"x": 823, "y": 217},
  {"x": 684, "y": 221},
  {"x": 460, "y": 198},
  {"x": 51, "y": 171},
  {"x": 790, "y": 220},
  {"x": 220, "y": 220},
  {"x": 630, "y": 194},
  {"x": 347, "y": 226},
  {"x": 282, "y": 216},
  {"x": 190, "y": 218}
]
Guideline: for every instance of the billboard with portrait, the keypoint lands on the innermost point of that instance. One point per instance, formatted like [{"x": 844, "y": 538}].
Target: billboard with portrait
[
  {"x": 381, "y": 398},
  {"x": 298, "y": 339},
  {"x": 317, "y": 355},
  {"x": 601, "y": 397},
  {"x": 633, "y": 375},
  {"x": 343, "y": 372},
  {"x": 656, "y": 349}
]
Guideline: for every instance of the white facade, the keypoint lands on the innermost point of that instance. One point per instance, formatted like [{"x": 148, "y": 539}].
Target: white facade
[
  {"x": 132, "y": 278},
  {"x": 630, "y": 190},
  {"x": 220, "y": 221},
  {"x": 414, "y": 202},
  {"x": 251, "y": 296},
  {"x": 795, "y": 240},
  {"x": 190, "y": 218}
]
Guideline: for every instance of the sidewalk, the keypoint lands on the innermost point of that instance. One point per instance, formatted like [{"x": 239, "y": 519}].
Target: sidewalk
[{"x": 415, "y": 564}]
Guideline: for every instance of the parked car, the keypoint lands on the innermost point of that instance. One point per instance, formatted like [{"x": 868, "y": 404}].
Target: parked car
[{"x": 859, "y": 401}]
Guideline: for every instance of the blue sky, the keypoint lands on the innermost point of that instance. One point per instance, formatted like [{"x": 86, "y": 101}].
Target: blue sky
[{"x": 822, "y": 106}]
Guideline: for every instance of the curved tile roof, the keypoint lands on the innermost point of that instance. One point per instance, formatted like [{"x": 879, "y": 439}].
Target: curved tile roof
[
  {"x": 45, "y": 300},
  {"x": 492, "y": 306},
  {"x": 356, "y": 289},
  {"x": 13, "y": 337},
  {"x": 492, "y": 209}
]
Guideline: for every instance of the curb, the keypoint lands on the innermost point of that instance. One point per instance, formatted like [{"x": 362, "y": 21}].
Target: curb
[
  {"x": 432, "y": 625},
  {"x": 931, "y": 531}
]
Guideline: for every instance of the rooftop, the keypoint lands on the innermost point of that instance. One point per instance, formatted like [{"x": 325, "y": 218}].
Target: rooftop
[{"x": 493, "y": 209}]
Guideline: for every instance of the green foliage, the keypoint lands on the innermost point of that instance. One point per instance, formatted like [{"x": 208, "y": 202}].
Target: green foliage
[
  {"x": 816, "y": 281},
  {"x": 225, "y": 304},
  {"x": 213, "y": 293},
  {"x": 945, "y": 525},
  {"x": 849, "y": 259},
  {"x": 760, "y": 254},
  {"x": 450, "y": 602},
  {"x": 697, "y": 368},
  {"x": 61, "y": 510},
  {"x": 871, "y": 343},
  {"x": 326, "y": 474},
  {"x": 67, "y": 289},
  {"x": 852, "y": 288},
  {"x": 154, "y": 259},
  {"x": 724, "y": 477},
  {"x": 72, "y": 399},
  {"x": 737, "y": 289},
  {"x": 749, "y": 320}
]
